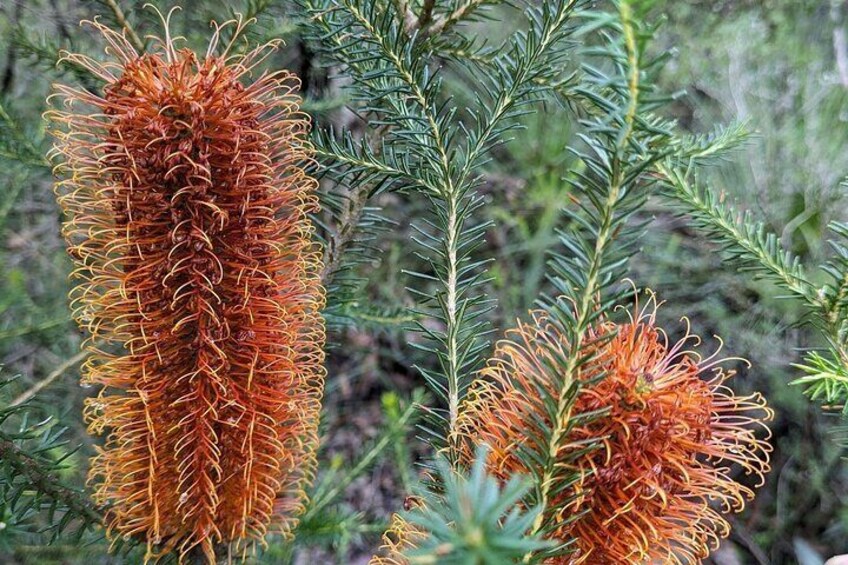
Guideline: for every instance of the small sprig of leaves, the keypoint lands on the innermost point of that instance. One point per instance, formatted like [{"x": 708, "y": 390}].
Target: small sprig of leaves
[
  {"x": 32, "y": 457},
  {"x": 826, "y": 380},
  {"x": 833, "y": 295},
  {"x": 473, "y": 519}
]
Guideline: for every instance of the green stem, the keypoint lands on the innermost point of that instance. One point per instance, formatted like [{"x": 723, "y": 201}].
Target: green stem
[{"x": 584, "y": 306}]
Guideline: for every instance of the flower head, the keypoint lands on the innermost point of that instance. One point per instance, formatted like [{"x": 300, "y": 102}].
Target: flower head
[
  {"x": 671, "y": 437},
  {"x": 186, "y": 206}
]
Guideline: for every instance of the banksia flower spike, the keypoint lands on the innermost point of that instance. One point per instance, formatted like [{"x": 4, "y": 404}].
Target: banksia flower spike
[
  {"x": 670, "y": 436},
  {"x": 186, "y": 203}
]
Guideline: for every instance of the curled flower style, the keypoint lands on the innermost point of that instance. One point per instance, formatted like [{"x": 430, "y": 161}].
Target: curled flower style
[
  {"x": 670, "y": 435},
  {"x": 187, "y": 217},
  {"x": 400, "y": 537}
]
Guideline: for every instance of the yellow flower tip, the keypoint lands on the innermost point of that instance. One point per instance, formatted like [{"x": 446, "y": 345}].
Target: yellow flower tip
[{"x": 401, "y": 536}]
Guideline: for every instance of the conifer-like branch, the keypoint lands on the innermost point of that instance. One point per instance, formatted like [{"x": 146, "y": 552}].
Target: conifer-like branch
[
  {"x": 746, "y": 242},
  {"x": 420, "y": 148},
  {"x": 510, "y": 88},
  {"x": 744, "y": 239},
  {"x": 29, "y": 476},
  {"x": 35, "y": 473},
  {"x": 586, "y": 296},
  {"x": 620, "y": 148}
]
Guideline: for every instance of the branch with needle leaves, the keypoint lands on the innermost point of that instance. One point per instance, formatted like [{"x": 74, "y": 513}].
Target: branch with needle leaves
[
  {"x": 609, "y": 185},
  {"x": 393, "y": 81},
  {"x": 583, "y": 303},
  {"x": 746, "y": 242},
  {"x": 33, "y": 455}
]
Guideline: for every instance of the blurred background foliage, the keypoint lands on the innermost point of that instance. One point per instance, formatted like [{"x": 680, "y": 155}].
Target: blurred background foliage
[{"x": 773, "y": 64}]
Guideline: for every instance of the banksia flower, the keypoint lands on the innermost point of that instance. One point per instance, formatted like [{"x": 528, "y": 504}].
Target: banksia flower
[
  {"x": 187, "y": 219},
  {"x": 670, "y": 436}
]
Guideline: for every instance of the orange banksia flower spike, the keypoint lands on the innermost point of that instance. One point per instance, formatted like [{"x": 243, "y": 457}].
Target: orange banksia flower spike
[
  {"x": 187, "y": 217},
  {"x": 672, "y": 438}
]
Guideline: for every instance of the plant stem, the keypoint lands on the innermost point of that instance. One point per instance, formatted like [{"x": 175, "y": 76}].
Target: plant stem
[
  {"x": 426, "y": 15},
  {"x": 583, "y": 307},
  {"x": 444, "y": 23},
  {"x": 48, "y": 483},
  {"x": 122, "y": 21},
  {"x": 340, "y": 239},
  {"x": 46, "y": 381}
]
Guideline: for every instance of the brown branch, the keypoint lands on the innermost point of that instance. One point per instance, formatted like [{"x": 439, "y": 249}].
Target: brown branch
[
  {"x": 426, "y": 15},
  {"x": 12, "y": 56},
  {"x": 122, "y": 21},
  {"x": 46, "y": 381},
  {"x": 340, "y": 240},
  {"x": 405, "y": 14},
  {"x": 739, "y": 532}
]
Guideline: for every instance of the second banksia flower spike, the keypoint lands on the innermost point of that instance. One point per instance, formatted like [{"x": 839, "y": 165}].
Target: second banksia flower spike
[{"x": 667, "y": 429}]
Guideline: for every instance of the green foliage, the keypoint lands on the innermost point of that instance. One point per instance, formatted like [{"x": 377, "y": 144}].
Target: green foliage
[
  {"x": 744, "y": 240},
  {"x": 833, "y": 296},
  {"x": 16, "y": 143},
  {"x": 415, "y": 104},
  {"x": 747, "y": 243},
  {"x": 32, "y": 492},
  {"x": 826, "y": 380},
  {"x": 338, "y": 477},
  {"x": 746, "y": 69},
  {"x": 474, "y": 520},
  {"x": 417, "y": 142}
]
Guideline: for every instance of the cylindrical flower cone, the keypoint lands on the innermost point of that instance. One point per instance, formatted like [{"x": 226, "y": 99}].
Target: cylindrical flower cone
[
  {"x": 187, "y": 217},
  {"x": 671, "y": 436}
]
